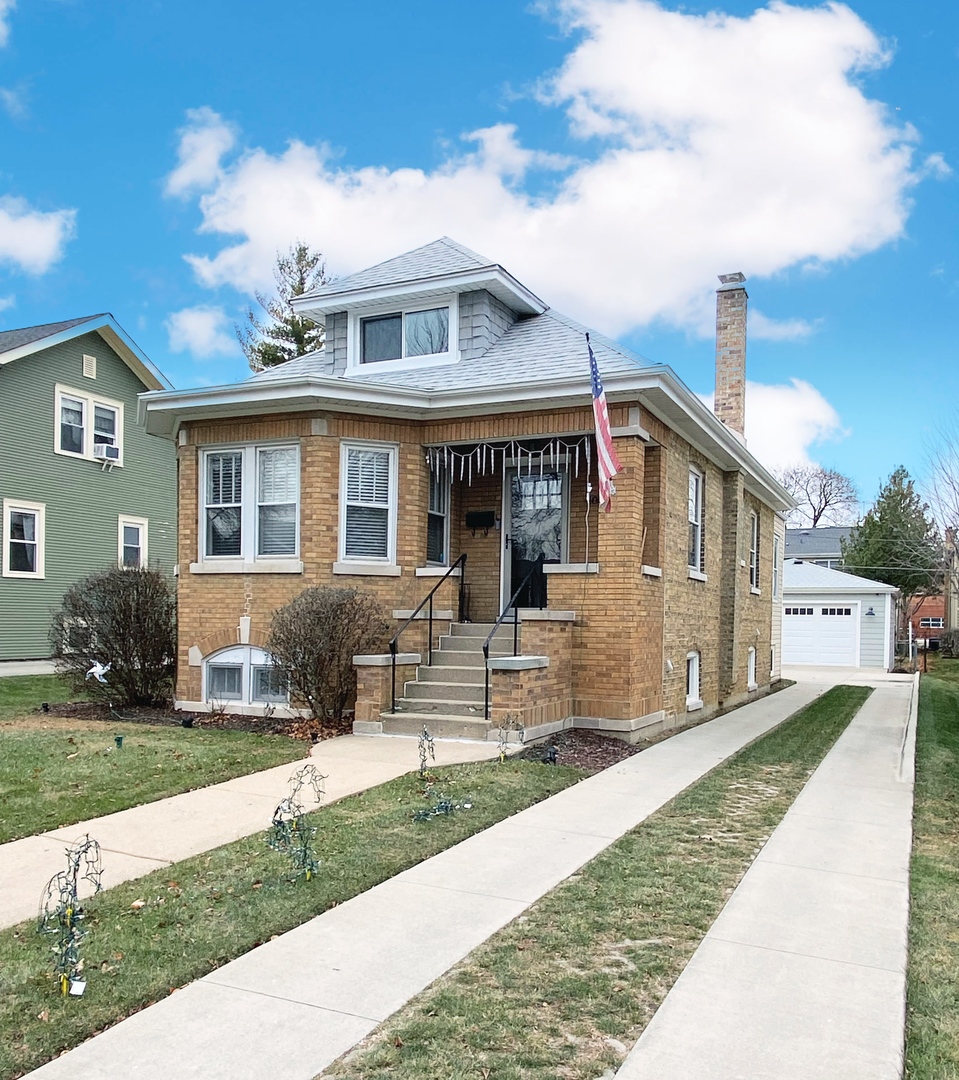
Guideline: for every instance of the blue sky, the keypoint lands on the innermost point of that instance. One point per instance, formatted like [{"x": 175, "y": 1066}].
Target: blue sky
[{"x": 154, "y": 156}]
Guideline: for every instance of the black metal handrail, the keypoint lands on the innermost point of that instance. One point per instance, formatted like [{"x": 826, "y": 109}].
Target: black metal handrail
[
  {"x": 428, "y": 599},
  {"x": 537, "y": 567}
]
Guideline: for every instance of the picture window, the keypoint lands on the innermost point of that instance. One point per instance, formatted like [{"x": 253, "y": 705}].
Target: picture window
[{"x": 404, "y": 334}]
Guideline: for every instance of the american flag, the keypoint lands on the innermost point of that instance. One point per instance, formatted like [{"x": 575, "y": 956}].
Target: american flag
[{"x": 607, "y": 461}]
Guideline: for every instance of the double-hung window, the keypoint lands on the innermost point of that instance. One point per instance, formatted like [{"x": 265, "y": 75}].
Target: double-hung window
[
  {"x": 696, "y": 544},
  {"x": 250, "y": 503},
  {"x": 401, "y": 334},
  {"x": 437, "y": 529},
  {"x": 23, "y": 539},
  {"x": 776, "y": 553},
  {"x": 132, "y": 542},
  {"x": 88, "y": 426},
  {"x": 368, "y": 503},
  {"x": 754, "y": 550}
]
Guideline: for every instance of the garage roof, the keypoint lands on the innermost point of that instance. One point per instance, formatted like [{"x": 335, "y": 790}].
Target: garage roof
[{"x": 802, "y": 576}]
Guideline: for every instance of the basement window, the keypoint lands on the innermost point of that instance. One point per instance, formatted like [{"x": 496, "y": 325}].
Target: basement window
[
  {"x": 244, "y": 674},
  {"x": 694, "y": 699}
]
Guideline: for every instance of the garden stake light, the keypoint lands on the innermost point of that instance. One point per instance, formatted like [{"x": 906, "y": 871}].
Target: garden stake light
[
  {"x": 427, "y": 749},
  {"x": 289, "y": 834},
  {"x": 61, "y": 914}
]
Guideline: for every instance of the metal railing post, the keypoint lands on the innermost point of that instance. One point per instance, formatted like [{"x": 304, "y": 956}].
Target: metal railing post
[
  {"x": 429, "y": 643},
  {"x": 393, "y": 676}
]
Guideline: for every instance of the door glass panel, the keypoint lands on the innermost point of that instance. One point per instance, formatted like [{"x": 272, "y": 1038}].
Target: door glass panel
[{"x": 536, "y": 530}]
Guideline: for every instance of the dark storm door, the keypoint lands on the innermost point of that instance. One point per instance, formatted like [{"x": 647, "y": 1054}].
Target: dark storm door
[{"x": 534, "y": 527}]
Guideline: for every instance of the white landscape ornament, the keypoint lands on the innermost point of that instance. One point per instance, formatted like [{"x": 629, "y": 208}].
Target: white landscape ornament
[{"x": 99, "y": 671}]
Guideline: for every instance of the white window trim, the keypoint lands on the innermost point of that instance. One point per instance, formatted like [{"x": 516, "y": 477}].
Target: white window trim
[
  {"x": 90, "y": 401},
  {"x": 777, "y": 548},
  {"x": 694, "y": 700},
  {"x": 353, "y": 565},
  {"x": 40, "y": 509},
  {"x": 754, "y": 552},
  {"x": 247, "y": 561},
  {"x": 699, "y": 567},
  {"x": 143, "y": 524},
  {"x": 354, "y": 366},
  {"x": 751, "y": 683}
]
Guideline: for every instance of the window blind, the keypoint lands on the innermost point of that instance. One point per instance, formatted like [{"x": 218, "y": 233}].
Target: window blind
[{"x": 277, "y": 493}]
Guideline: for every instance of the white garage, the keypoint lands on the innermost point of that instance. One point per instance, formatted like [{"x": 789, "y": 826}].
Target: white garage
[{"x": 836, "y": 619}]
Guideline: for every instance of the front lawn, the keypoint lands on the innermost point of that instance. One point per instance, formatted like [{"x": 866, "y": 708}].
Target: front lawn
[
  {"x": 932, "y": 1019},
  {"x": 207, "y": 910},
  {"x": 565, "y": 990},
  {"x": 56, "y": 772}
]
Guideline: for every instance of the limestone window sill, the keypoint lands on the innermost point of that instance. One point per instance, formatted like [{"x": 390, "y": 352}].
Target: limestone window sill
[
  {"x": 652, "y": 571},
  {"x": 694, "y": 706},
  {"x": 755, "y": 591},
  {"x": 362, "y": 569},
  {"x": 750, "y": 687},
  {"x": 696, "y": 575},
  {"x": 238, "y": 566}
]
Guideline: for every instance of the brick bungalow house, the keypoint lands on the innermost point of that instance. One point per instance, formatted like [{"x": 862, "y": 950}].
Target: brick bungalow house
[{"x": 448, "y": 415}]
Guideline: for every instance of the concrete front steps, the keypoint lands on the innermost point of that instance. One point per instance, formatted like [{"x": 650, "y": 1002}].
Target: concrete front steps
[{"x": 448, "y": 697}]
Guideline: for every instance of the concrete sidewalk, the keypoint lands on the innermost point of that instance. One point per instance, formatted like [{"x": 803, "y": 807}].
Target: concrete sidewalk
[
  {"x": 145, "y": 838},
  {"x": 292, "y": 1006},
  {"x": 803, "y": 975}
]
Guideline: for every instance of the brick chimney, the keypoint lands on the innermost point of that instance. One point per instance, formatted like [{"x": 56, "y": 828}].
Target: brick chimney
[{"x": 730, "y": 400}]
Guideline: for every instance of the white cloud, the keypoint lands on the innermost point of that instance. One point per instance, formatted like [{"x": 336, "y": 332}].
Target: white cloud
[
  {"x": 761, "y": 327},
  {"x": 7, "y": 302},
  {"x": 33, "y": 240},
  {"x": 13, "y": 102},
  {"x": 714, "y": 144},
  {"x": 204, "y": 140},
  {"x": 202, "y": 331},
  {"x": 6, "y": 7}
]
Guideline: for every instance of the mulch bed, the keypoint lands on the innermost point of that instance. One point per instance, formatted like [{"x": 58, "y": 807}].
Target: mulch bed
[
  {"x": 583, "y": 750},
  {"x": 294, "y": 728}
]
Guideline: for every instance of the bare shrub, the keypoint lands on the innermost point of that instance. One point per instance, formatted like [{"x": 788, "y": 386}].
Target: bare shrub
[
  {"x": 125, "y": 618},
  {"x": 314, "y": 639}
]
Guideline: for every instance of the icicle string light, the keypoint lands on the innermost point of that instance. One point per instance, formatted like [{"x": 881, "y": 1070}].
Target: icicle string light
[{"x": 481, "y": 460}]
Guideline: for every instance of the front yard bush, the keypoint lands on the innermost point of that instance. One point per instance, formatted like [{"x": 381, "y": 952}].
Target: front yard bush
[
  {"x": 123, "y": 618},
  {"x": 314, "y": 639}
]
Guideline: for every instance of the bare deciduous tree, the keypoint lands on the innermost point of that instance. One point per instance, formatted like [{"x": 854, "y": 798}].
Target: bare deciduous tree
[
  {"x": 824, "y": 496},
  {"x": 314, "y": 638}
]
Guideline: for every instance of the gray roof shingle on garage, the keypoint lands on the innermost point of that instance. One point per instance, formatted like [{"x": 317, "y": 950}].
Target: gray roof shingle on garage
[
  {"x": 16, "y": 339},
  {"x": 799, "y": 576},
  {"x": 437, "y": 259},
  {"x": 542, "y": 348},
  {"x": 825, "y": 541}
]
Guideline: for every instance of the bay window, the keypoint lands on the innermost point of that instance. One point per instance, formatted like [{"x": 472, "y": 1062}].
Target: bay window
[
  {"x": 250, "y": 503},
  {"x": 368, "y": 503}
]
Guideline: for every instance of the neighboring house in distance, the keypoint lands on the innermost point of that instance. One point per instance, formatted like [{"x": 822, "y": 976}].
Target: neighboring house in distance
[
  {"x": 449, "y": 414},
  {"x": 821, "y": 546},
  {"x": 82, "y": 485},
  {"x": 837, "y": 619},
  {"x": 928, "y": 617}
]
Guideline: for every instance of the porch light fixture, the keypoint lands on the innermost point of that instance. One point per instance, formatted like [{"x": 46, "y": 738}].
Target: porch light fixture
[{"x": 871, "y": 611}]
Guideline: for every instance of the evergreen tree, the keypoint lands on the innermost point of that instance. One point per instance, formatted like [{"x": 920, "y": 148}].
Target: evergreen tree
[
  {"x": 287, "y": 335},
  {"x": 897, "y": 542}
]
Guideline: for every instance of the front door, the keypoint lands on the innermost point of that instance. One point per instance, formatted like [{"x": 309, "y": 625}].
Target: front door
[{"x": 534, "y": 528}]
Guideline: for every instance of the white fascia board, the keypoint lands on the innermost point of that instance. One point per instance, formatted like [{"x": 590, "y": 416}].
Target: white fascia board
[
  {"x": 319, "y": 306},
  {"x": 113, "y": 335},
  {"x": 873, "y": 589}
]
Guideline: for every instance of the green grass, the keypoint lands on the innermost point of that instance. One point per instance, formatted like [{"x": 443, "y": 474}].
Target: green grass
[
  {"x": 22, "y": 694},
  {"x": 205, "y": 911},
  {"x": 55, "y": 772},
  {"x": 932, "y": 1019},
  {"x": 594, "y": 958}
]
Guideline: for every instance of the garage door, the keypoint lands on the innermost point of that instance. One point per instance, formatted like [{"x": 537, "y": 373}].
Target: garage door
[{"x": 820, "y": 634}]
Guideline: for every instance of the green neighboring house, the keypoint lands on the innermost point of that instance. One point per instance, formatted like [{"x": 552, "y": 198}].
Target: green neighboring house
[{"x": 82, "y": 485}]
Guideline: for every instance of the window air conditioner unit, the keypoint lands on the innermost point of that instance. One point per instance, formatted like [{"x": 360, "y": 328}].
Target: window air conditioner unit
[{"x": 106, "y": 452}]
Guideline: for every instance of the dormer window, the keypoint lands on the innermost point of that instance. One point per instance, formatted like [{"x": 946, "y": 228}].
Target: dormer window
[{"x": 402, "y": 334}]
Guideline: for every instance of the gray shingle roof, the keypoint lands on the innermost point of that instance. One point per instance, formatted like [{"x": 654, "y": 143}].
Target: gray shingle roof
[
  {"x": 807, "y": 576},
  {"x": 826, "y": 540},
  {"x": 542, "y": 348},
  {"x": 15, "y": 339},
  {"x": 437, "y": 259}
]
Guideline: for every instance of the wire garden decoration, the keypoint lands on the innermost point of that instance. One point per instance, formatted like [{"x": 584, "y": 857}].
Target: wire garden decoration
[
  {"x": 440, "y": 805},
  {"x": 509, "y": 725},
  {"x": 427, "y": 750},
  {"x": 61, "y": 915},
  {"x": 289, "y": 833}
]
